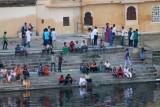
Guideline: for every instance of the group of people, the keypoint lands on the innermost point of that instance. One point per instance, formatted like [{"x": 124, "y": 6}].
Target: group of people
[
  {"x": 21, "y": 50},
  {"x": 110, "y": 32},
  {"x": 43, "y": 71},
  {"x": 50, "y": 37},
  {"x": 16, "y": 74},
  {"x": 26, "y": 33}
]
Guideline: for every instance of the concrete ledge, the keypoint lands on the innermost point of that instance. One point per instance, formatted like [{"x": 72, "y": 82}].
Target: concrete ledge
[{"x": 51, "y": 86}]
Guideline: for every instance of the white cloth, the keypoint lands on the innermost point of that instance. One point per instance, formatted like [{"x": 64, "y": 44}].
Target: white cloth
[
  {"x": 95, "y": 32},
  {"x": 123, "y": 32},
  {"x": 131, "y": 38},
  {"x": 82, "y": 92},
  {"x": 127, "y": 73},
  {"x": 28, "y": 34},
  {"x": 107, "y": 64},
  {"x": 92, "y": 35},
  {"x": 9, "y": 78},
  {"x": 114, "y": 30},
  {"x": 77, "y": 45},
  {"x": 54, "y": 35},
  {"x": 3, "y": 70},
  {"x": 82, "y": 82}
]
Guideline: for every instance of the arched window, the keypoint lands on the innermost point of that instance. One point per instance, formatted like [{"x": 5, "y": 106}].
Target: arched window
[
  {"x": 88, "y": 20},
  {"x": 156, "y": 14},
  {"x": 131, "y": 13}
]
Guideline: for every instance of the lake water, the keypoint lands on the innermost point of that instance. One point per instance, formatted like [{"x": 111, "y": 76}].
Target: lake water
[{"x": 132, "y": 95}]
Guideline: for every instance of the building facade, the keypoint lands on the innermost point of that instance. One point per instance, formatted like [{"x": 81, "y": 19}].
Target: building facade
[{"x": 75, "y": 16}]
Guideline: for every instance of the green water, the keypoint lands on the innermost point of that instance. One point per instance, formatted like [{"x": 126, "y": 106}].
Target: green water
[{"x": 133, "y": 95}]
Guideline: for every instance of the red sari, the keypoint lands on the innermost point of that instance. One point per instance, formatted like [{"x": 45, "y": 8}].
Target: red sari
[
  {"x": 107, "y": 35},
  {"x": 72, "y": 47}
]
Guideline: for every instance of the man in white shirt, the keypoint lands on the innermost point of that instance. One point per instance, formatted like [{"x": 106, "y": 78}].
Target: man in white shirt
[
  {"x": 95, "y": 33},
  {"x": 127, "y": 72},
  {"x": 107, "y": 65},
  {"x": 92, "y": 38},
  {"x": 77, "y": 46},
  {"x": 82, "y": 81},
  {"x": 28, "y": 34},
  {"x": 122, "y": 35},
  {"x": 114, "y": 30},
  {"x": 54, "y": 38},
  {"x": 84, "y": 46}
]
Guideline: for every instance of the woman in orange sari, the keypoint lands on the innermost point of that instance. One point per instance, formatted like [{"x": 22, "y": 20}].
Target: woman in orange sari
[{"x": 46, "y": 70}]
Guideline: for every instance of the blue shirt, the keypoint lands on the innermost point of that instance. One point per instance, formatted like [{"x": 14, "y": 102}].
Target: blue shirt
[
  {"x": 129, "y": 33},
  {"x": 17, "y": 48},
  {"x": 46, "y": 35}
]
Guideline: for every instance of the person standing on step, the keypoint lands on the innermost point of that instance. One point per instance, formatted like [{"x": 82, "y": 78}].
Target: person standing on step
[
  {"x": 5, "y": 43},
  {"x": 114, "y": 30},
  {"x": 23, "y": 39},
  {"x": 127, "y": 58},
  {"x": 28, "y": 34},
  {"x": 89, "y": 37},
  {"x": 122, "y": 35},
  {"x": 92, "y": 38},
  {"x": 95, "y": 32},
  {"x": 129, "y": 36},
  {"x": 54, "y": 38},
  {"x": 136, "y": 38},
  {"x": 60, "y": 59},
  {"x": 111, "y": 37},
  {"x": 53, "y": 62}
]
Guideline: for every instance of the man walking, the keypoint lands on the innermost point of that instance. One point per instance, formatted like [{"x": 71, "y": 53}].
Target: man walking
[
  {"x": 114, "y": 30},
  {"x": 127, "y": 58},
  {"x": 136, "y": 38},
  {"x": 122, "y": 35},
  {"x": 5, "y": 43},
  {"x": 54, "y": 38},
  {"x": 60, "y": 59},
  {"x": 95, "y": 32}
]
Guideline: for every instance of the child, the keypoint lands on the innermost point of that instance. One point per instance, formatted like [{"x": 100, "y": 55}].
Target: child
[{"x": 61, "y": 79}]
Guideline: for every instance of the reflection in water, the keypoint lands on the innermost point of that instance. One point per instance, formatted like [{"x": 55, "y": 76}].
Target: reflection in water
[{"x": 133, "y": 95}]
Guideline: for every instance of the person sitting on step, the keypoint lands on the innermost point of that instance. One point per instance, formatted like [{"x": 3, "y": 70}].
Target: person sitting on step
[
  {"x": 84, "y": 46},
  {"x": 61, "y": 79},
  {"x": 114, "y": 73},
  {"x": 65, "y": 49},
  {"x": 77, "y": 47},
  {"x": 68, "y": 79},
  {"x": 101, "y": 46},
  {"x": 127, "y": 72},
  {"x": 72, "y": 47},
  {"x": 120, "y": 73},
  {"x": 40, "y": 70},
  {"x": 107, "y": 66},
  {"x": 8, "y": 78},
  {"x": 17, "y": 49},
  {"x": 46, "y": 70}
]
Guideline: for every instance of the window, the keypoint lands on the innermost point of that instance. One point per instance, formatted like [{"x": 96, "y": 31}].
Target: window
[
  {"x": 131, "y": 13},
  {"x": 88, "y": 20},
  {"x": 156, "y": 14},
  {"x": 65, "y": 21}
]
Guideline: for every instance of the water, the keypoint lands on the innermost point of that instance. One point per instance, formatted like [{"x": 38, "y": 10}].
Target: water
[{"x": 133, "y": 95}]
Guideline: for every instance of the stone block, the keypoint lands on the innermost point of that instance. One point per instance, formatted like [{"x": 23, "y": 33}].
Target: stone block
[{"x": 135, "y": 50}]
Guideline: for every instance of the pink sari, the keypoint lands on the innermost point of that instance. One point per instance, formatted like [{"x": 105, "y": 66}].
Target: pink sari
[{"x": 107, "y": 35}]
